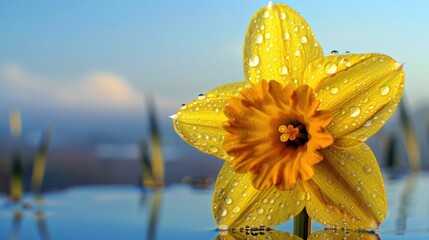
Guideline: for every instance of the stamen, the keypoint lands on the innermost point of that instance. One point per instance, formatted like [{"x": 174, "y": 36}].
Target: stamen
[{"x": 291, "y": 133}]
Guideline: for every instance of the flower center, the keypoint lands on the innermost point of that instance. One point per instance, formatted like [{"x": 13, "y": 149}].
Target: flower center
[
  {"x": 293, "y": 135},
  {"x": 261, "y": 116}
]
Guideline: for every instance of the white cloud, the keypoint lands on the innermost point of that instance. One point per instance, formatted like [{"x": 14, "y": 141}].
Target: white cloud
[{"x": 96, "y": 90}]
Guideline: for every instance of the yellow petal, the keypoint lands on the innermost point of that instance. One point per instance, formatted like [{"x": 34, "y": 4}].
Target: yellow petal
[
  {"x": 279, "y": 45},
  {"x": 237, "y": 204},
  {"x": 347, "y": 190},
  {"x": 200, "y": 122},
  {"x": 339, "y": 234},
  {"x": 244, "y": 234},
  {"x": 361, "y": 90}
]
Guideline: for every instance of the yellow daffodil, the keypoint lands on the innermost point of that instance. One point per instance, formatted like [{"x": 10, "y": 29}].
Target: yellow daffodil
[{"x": 292, "y": 134}]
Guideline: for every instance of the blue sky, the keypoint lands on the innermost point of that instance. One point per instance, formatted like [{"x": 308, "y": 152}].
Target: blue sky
[{"x": 178, "y": 49}]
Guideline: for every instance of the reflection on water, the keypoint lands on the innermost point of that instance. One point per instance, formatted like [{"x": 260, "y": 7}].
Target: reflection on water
[
  {"x": 182, "y": 212},
  {"x": 404, "y": 203}
]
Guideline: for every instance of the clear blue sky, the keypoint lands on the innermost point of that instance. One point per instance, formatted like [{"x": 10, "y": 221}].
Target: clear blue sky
[{"x": 177, "y": 49}]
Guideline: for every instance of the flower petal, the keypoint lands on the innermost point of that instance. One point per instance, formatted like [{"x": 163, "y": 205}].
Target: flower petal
[
  {"x": 361, "y": 90},
  {"x": 237, "y": 204},
  {"x": 200, "y": 122},
  {"x": 340, "y": 234},
  {"x": 347, "y": 190},
  {"x": 279, "y": 45}
]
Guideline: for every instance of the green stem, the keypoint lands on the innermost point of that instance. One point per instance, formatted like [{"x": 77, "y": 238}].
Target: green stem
[{"x": 302, "y": 225}]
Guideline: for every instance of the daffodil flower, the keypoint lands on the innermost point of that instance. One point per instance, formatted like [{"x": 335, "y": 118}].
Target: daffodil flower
[{"x": 292, "y": 134}]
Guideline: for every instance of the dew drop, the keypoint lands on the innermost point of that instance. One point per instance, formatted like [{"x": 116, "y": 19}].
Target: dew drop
[
  {"x": 271, "y": 5},
  {"x": 268, "y": 217},
  {"x": 235, "y": 184},
  {"x": 266, "y": 14},
  {"x": 283, "y": 70},
  {"x": 334, "y": 90},
  {"x": 282, "y": 205},
  {"x": 282, "y": 16},
  {"x": 259, "y": 38},
  {"x": 286, "y": 36},
  {"x": 354, "y": 111},
  {"x": 267, "y": 35},
  {"x": 297, "y": 53},
  {"x": 253, "y": 61},
  {"x": 244, "y": 194},
  {"x": 357, "y": 188},
  {"x": 260, "y": 210},
  {"x": 213, "y": 149},
  {"x": 330, "y": 68},
  {"x": 228, "y": 200},
  {"x": 384, "y": 90},
  {"x": 201, "y": 96},
  {"x": 341, "y": 162},
  {"x": 362, "y": 137},
  {"x": 398, "y": 66},
  {"x": 367, "y": 123},
  {"x": 303, "y": 39},
  {"x": 334, "y": 52},
  {"x": 223, "y": 212},
  {"x": 236, "y": 209},
  {"x": 367, "y": 168},
  {"x": 197, "y": 135}
]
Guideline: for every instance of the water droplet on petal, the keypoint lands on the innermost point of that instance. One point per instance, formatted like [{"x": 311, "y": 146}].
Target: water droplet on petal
[
  {"x": 354, "y": 111},
  {"x": 267, "y": 35},
  {"x": 282, "y": 16},
  {"x": 223, "y": 212},
  {"x": 334, "y": 90},
  {"x": 260, "y": 210},
  {"x": 367, "y": 123},
  {"x": 228, "y": 200},
  {"x": 253, "y": 61},
  {"x": 235, "y": 184},
  {"x": 271, "y": 5},
  {"x": 297, "y": 53},
  {"x": 266, "y": 14},
  {"x": 362, "y": 137},
  {"x": 334, "y": 52},
  {"x": 174, "y": 116},
  {"x": 236, "y": 209},
  {"x": 201, "y": 96},
  {"x": 283, "y": 70},
  {"x": 259, "y": 38},
  {"x": 286, "y": 36},
  {"x": 330, "y": 68},
  {"x": 384, "y": 90},
  {"x": 303, "y": 39},
  {"x": 213, "y": 149},
  {"x": 367, "y": 168},
  {"x": 398, "y": 66}
]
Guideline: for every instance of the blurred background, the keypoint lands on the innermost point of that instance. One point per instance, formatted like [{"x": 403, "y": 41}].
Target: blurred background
[{"x": 86, "y": 69}]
